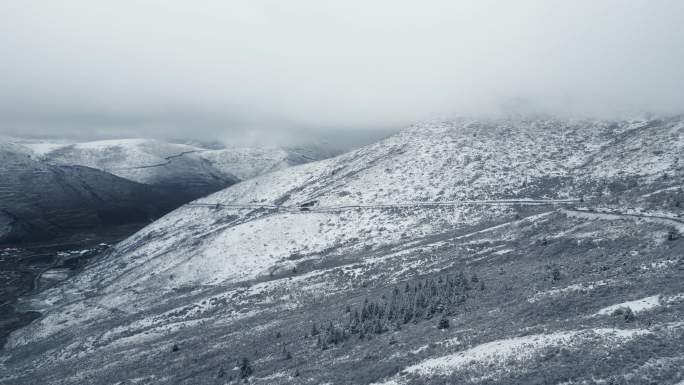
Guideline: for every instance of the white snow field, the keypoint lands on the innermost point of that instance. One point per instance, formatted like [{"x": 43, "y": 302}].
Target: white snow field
[
  {"x": 519, "y": 348},
  {"x": 151, "y": 161},
  {"x": 637, "y": 306}
]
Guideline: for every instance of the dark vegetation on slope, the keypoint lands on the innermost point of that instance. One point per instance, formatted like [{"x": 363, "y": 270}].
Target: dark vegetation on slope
[
  {"x": 438, "y": 297},
  {"x": 48, "y": 202},
  {"x": 56, "y": 201}
]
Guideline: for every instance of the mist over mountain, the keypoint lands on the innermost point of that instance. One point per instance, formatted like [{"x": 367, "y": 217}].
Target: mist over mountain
[{"x": 279, "y": 73}]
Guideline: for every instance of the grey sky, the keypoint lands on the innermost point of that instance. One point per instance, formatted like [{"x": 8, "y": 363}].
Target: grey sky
[{"x": 236, "y": 68}]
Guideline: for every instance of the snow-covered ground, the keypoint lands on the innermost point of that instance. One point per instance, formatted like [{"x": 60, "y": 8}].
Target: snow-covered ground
[
  {"x": 519, "y": 348},
  {"x": 154, "y": 161},
  {"x": 253, "y": 255},
  {"x": 637, "y": 306},
  {"x": 430, "y": 162},
  {"x": 579, "y": 287}
]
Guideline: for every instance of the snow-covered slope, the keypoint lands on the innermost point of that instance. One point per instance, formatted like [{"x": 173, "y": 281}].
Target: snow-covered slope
[
  {"x": 177, "y": 173},
  {"x": 133, "y": 159},
  {"x": 151, "y": 161},
  {"x": 444, "y": 162},
  {"x": 487, "y": 196},
  {"x": 248, "y": 162},
  {"x": 188, "y": 169},
  {"x": 176, "y": 167},
  {"x": 40, "y": 200}
]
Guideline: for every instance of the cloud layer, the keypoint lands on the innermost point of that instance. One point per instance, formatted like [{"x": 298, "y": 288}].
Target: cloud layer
[{"x": 234, "y": 68}]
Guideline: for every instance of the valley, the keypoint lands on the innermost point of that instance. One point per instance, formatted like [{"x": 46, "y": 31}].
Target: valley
[
  {"x": 62, "y": 204},
  {"x": 28, "y": 268}
]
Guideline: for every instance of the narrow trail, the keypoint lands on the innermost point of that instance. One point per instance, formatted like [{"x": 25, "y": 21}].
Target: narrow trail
[
  {"x": 167, "y": 161},
  {"x": 318, "y": 209}
]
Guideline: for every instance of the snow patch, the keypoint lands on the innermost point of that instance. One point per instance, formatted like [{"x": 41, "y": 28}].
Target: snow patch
[
  {"x": 499, "y": 351},
  {"x": 491, "y": 352},
  {"x": 637, "y": 306},
  {"x": 578, "y": 287}
]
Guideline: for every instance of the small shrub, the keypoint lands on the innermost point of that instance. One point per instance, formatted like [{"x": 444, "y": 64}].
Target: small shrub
[
  {"x": 443, "y": 323},
  {"x": 245, "y": 368},
  {"x": 672, "y": 235},
  {"x": 629, "y": 315}
]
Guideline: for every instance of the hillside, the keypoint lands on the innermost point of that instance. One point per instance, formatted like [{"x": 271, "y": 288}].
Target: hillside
[
  {"x": 189, "y": 170},
  {"x": 249, "y": 162},
  {"x": 40, "y": 201},
  {"x": 173, "y": 167},
  {"x": 134, "y": 180},
  {"x": 467, "y": 251}
]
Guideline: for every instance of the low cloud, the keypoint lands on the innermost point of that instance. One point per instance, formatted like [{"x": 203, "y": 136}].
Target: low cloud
[{"x": 283, "y": 71}]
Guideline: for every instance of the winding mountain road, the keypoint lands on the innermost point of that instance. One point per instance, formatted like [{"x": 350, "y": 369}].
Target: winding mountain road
[
  {"x": 167, "y": 161},
  {"x": 504, "y": 202}
]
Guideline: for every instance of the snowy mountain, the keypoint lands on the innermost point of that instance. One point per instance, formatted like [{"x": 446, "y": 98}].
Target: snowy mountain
[
  {"x": 453, "y": 252},
  {"x": 152, "y": 176},
  {"x": 248, "y": 162},
  {"x": 39, "y": 200},
  {"x": 173, "y": 167},
  {"x": 188, "y": 170}
]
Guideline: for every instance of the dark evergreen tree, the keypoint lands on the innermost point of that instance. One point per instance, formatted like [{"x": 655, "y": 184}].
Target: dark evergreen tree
[
  {"x": 672, "y": 234},
  {"x": 629, "y": 315},
  {"x": 245, "y": 368},
  {"x": 419, "y": 300}
]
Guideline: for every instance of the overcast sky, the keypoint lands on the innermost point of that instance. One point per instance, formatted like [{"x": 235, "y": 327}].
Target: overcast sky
[{"x": 232, "y": 68}]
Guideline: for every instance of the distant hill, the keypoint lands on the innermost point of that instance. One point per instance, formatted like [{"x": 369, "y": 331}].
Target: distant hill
[
  {"x": 41, "y": 201},
  {"x": 51, "y": 188},
  {"x": 200, "y": 170}
]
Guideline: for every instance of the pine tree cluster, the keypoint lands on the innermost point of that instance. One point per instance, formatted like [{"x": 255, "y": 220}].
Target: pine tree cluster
[{"x": 411, "y": 302}]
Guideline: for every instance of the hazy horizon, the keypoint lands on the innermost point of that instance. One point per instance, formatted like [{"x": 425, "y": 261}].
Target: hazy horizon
[{"x": 249, "y": 71}]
